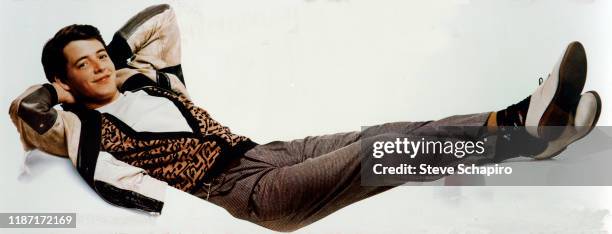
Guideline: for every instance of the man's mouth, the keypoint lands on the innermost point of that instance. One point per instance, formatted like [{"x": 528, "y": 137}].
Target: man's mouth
[{"x": 102, "y": 79}]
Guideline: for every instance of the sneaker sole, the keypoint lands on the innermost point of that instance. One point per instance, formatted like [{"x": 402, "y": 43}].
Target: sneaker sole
[
  {"x": 572, "y": 77},
  {"x": 593, "y": 124}
]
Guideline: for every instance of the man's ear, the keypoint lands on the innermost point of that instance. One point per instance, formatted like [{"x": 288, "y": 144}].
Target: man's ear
[{"x": 61, "y": 83}]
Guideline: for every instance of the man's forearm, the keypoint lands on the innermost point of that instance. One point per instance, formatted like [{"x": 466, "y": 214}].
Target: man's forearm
[
  {"x": 39, "y": 124},
  {"x": 36, "y": 108}
]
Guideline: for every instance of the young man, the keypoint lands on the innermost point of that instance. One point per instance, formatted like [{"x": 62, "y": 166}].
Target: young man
[{"x": 130, "y": 129}]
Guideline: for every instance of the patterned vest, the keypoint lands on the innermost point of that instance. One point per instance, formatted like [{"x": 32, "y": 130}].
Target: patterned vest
[{"x": 185, "y": 160}]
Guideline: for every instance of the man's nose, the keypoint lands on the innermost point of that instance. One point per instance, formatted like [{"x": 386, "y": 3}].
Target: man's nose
[{"x": 98, "y": 66}]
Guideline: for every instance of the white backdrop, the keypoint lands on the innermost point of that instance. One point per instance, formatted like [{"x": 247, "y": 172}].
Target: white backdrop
[{"x": 311, "y": 67}]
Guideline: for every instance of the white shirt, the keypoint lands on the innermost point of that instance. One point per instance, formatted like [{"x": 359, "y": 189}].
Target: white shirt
[{"x": 143, "y": 112}]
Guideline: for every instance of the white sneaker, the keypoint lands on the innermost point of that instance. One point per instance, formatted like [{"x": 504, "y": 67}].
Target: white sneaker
[
  {"x": 552, "y": 103},
  {"x": 581, "y": 124}
]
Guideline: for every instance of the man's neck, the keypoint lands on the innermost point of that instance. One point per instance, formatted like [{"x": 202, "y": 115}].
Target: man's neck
[{"x": 96, "y": 105}]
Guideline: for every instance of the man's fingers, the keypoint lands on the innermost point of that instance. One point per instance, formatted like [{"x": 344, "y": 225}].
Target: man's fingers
[{"x": 63, "y": 95}]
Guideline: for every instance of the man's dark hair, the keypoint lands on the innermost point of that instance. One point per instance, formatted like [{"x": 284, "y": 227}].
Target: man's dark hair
[{"x": 53, "y": 60}]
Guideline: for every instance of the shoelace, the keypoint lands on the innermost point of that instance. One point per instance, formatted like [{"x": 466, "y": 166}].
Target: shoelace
[
  {"x": 541, "y": 80},
  {"x": 518, "y": 119}
]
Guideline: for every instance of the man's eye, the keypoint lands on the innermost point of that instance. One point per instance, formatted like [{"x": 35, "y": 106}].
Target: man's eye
[
  {"x": 82, "y": 65},
  {"x": 103, "y": 56}
]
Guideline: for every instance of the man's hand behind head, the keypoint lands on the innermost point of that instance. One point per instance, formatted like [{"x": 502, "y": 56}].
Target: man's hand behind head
[{"x": 63, "y": 96}]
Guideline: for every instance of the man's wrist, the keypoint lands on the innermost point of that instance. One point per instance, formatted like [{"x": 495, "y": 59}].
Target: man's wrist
[{"x": 55, "y": 99}]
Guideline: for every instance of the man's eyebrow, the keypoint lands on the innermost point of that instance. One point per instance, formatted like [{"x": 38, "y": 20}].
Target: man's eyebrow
[{"x": 85, "y": 56}]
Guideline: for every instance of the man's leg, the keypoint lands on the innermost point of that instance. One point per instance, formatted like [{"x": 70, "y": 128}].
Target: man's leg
[
  {"x": 301, "y": 181},
  {"x": 285, "y": 153},
  {"x": 287, "y": 185}
]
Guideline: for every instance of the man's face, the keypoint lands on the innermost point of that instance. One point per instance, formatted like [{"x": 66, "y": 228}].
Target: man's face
[{"x": 90, "y": 71}]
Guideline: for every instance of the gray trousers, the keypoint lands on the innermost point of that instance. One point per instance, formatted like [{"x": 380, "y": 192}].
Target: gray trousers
[{"x": 285, "y": 185}]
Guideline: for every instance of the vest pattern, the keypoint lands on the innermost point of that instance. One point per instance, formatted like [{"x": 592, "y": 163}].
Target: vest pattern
[{"x": 182, "y": 159}]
